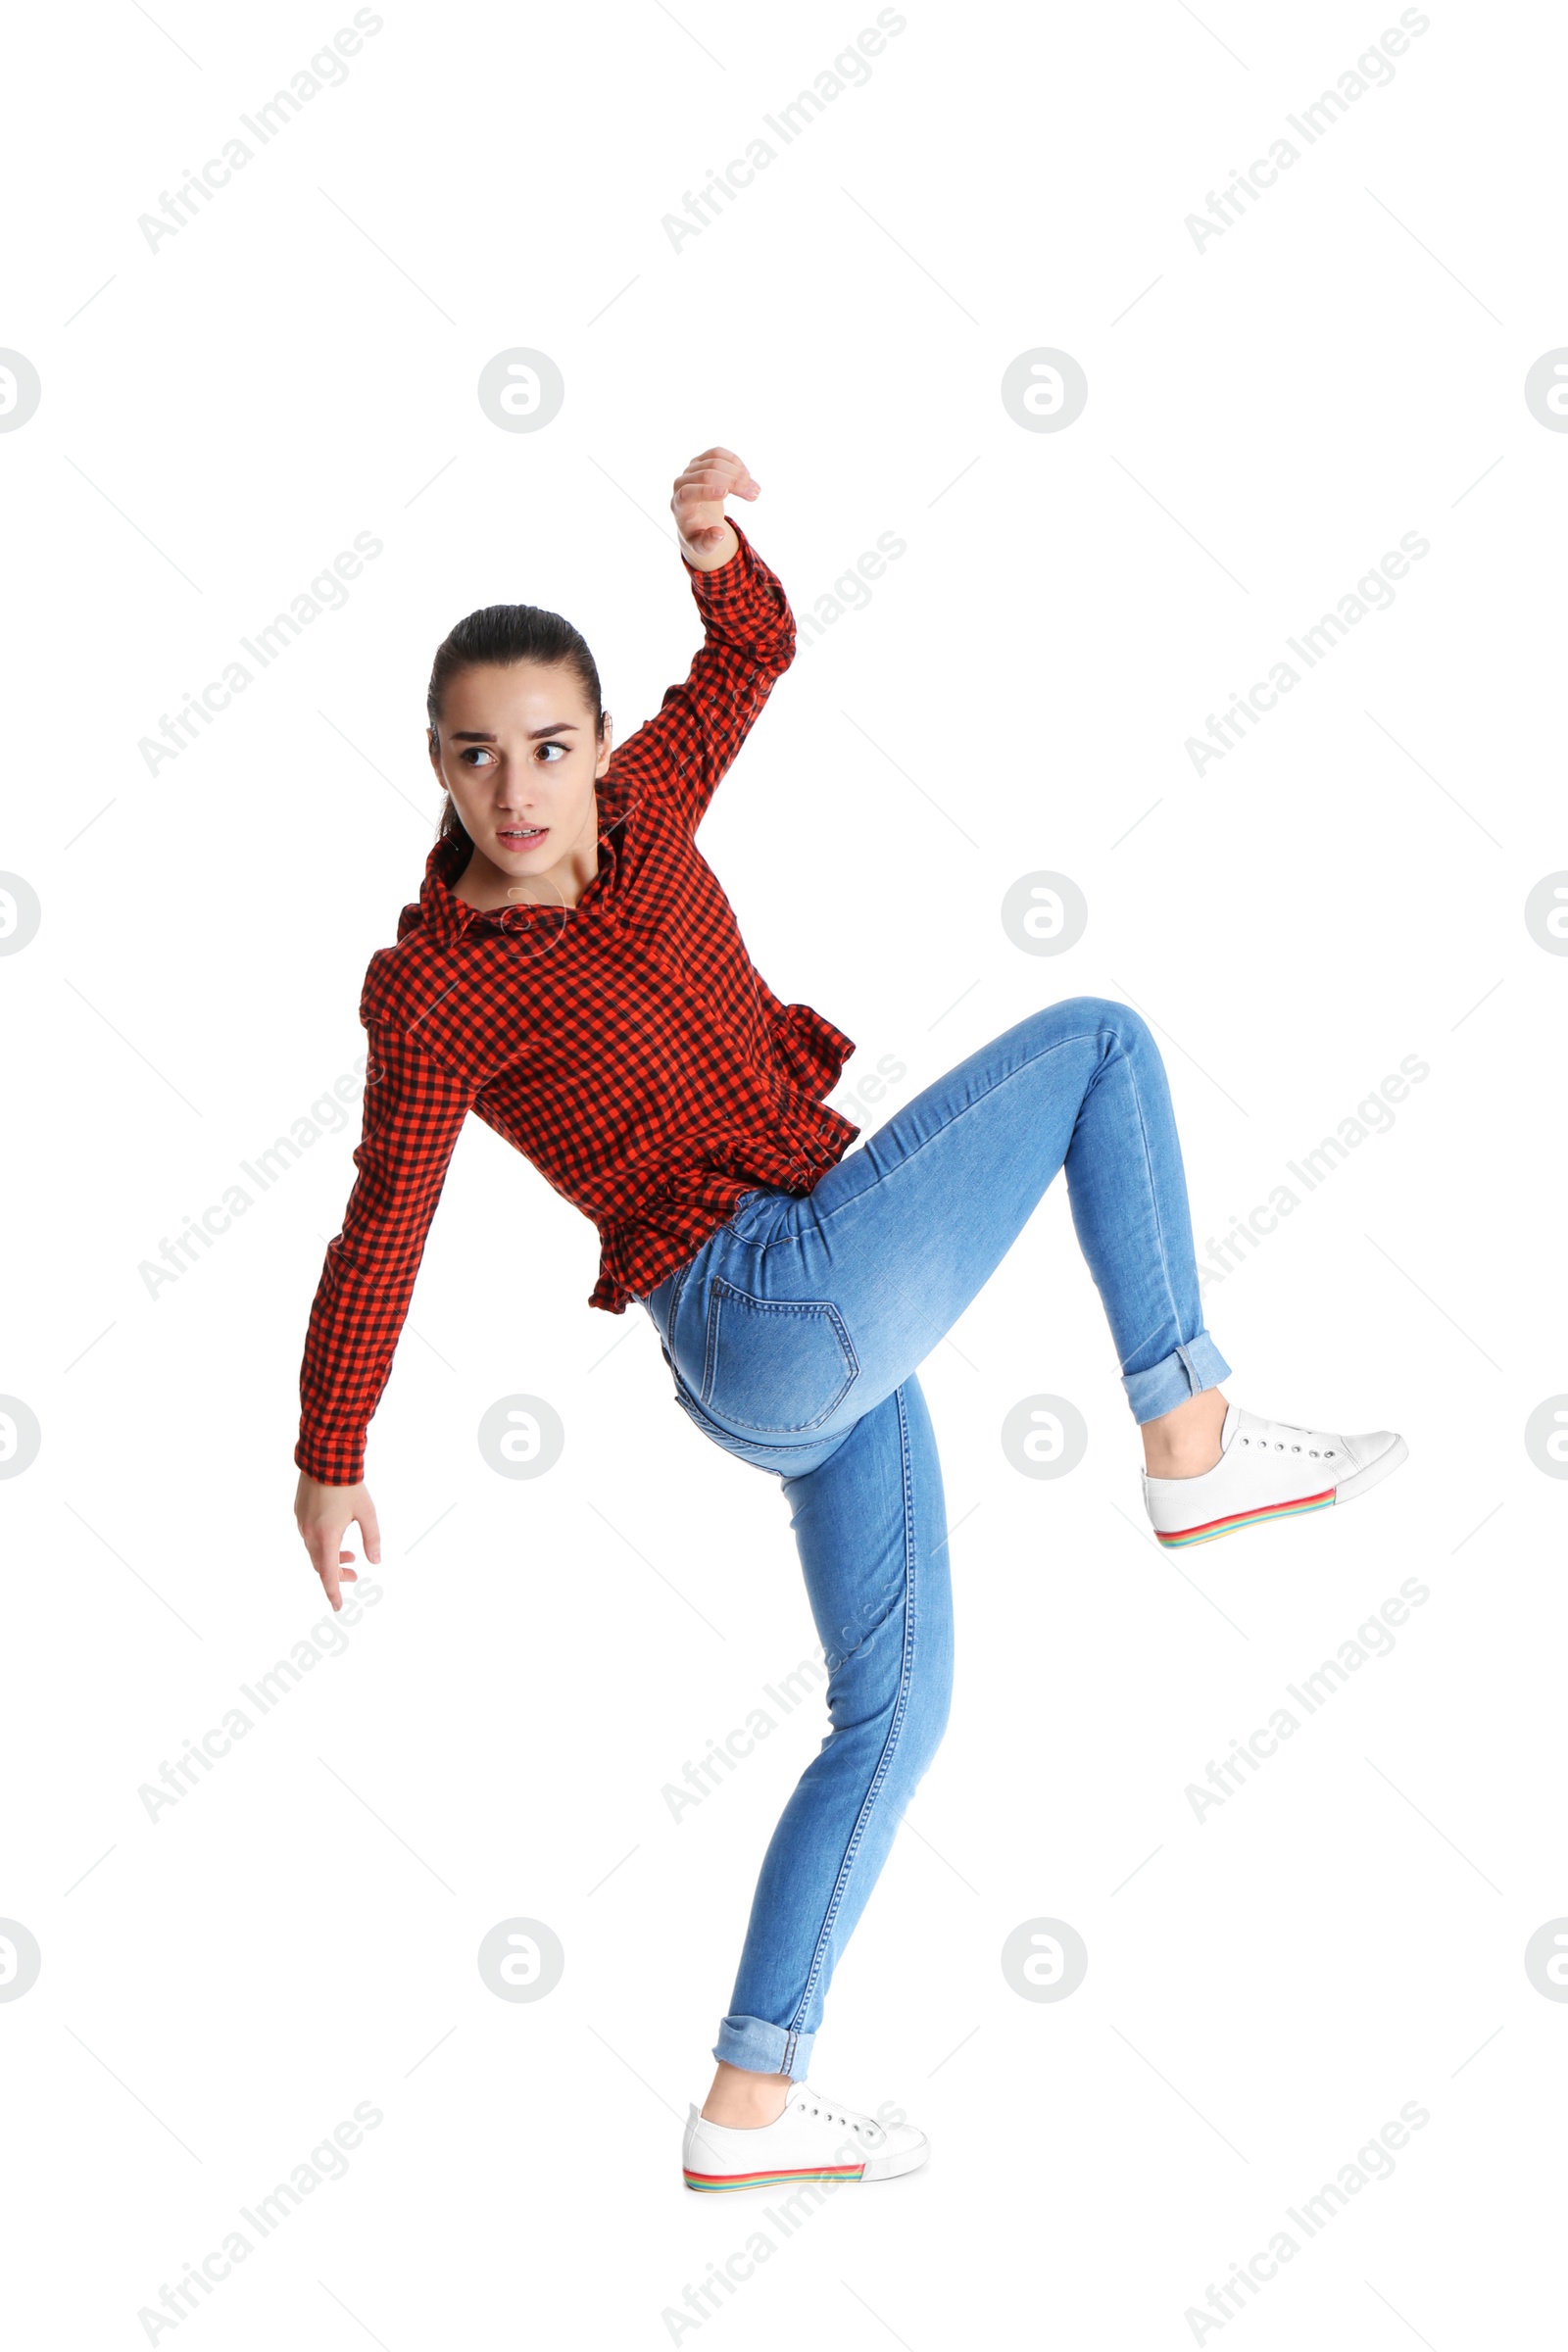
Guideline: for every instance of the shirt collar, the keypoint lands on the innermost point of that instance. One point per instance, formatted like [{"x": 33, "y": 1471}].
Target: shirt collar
[{"x": 445, "y": 916}]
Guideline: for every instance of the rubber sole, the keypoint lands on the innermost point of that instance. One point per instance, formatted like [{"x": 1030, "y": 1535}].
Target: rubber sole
[
  {"x": 876, "y": 2167},
  {"x": 1209, "y": 1530},
  {"x": 719, "y": 2183}
]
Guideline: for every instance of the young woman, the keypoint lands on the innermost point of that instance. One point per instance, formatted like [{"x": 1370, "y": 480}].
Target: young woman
[{"x": 573, "y": 973}]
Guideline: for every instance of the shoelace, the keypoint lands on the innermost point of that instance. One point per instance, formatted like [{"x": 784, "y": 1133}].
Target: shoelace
[
  {"x": 835, "y": 2115},
  {"x": 1327, "y": 1454}
]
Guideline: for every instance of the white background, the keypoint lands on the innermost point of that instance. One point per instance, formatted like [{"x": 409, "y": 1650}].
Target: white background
[{"x": 1266, "y": 415}]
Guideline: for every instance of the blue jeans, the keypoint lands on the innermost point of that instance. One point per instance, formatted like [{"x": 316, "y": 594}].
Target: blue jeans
[{"x": 793, "y": 1334}]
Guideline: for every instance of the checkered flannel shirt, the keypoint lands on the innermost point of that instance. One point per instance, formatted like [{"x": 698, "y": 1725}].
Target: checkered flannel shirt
[{"x": 627, "y": 1046}]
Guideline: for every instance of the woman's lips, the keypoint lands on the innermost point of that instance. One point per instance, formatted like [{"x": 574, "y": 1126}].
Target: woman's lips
[{"x": 517, "y": 838}]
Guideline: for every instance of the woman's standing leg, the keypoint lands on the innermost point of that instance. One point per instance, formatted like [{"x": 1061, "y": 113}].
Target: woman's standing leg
[{"x": 871, "y": 1530}]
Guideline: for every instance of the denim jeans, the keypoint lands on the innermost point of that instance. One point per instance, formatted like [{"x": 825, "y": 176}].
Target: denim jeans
[{"x": 793, "y": 1335}]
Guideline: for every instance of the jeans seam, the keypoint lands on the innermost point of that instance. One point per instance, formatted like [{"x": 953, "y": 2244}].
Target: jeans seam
[
  {"x": 895, "y": 1729},
  {"x": 1154, "y": 1199}
]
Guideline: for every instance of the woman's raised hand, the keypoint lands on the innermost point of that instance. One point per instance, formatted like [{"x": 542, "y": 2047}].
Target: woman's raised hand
[
  {"x": 322, "y": 1514},
  {"x": 698, "y": 506}
]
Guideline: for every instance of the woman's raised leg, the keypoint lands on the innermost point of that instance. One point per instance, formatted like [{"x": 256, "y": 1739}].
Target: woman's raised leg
[{"x": 901, "y": 1235}]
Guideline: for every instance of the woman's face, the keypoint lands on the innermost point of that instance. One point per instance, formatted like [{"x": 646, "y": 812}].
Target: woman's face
[{"x": 517, "y": 751}]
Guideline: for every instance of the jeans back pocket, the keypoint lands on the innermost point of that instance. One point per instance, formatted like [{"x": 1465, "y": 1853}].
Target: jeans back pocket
[{"x": 775, "y": 1365}]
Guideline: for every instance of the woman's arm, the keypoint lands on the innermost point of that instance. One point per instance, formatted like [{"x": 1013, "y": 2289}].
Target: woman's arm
[
  {"x": 680, "y": 754},
  {"x": 413, "y": 1110}
]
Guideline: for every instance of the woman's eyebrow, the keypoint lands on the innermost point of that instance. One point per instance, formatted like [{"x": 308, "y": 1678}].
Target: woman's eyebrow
[{"x": 561, "y": 726}]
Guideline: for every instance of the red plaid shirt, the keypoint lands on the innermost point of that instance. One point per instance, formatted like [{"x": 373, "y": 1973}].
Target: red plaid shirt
[{"x": 627, "y": 1046}]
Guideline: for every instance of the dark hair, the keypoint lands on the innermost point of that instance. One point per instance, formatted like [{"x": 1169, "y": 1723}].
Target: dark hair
[{"x": 499, "y": 635}]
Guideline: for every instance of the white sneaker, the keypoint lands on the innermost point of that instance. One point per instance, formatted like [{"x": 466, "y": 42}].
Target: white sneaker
[
  {"x": 813, "y": 2139},
  {"x": 1267, "y": 1470}
]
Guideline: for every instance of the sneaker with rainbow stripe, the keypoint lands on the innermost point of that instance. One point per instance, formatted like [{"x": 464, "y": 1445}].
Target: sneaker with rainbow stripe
[
  {"x": 1267, "y": 1470},
  {"x": 815, "y": 2139}
]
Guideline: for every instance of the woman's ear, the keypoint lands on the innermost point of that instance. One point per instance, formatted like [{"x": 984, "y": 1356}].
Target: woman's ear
[
  {"x": 434, "y": 750},
  {"x": 607, "y": 738}
]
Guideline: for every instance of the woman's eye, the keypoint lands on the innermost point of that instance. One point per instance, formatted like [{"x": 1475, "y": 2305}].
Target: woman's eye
[
  {"x": 474, "y": 754},
  {"x": 552, "y": 747}
]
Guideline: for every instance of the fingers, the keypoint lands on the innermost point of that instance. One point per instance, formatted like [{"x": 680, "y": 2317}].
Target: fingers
[
  {"x": 742, "y": 480},
  {"x": 334, "y": 1573},
  {"x": 713, "y": 476},
  {"x": 695, "y": 491},
  {"x": 370, "y": 1532},
  {"x": 708, "y": 484},
  {"x": 331, "y": 1564},
  {"x": 720, "y": 459}
]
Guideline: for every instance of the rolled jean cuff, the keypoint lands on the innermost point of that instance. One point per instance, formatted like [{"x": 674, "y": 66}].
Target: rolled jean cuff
[
  {"x": 1193, "y": 1364},
  {"x": 764, "y": 2049}
]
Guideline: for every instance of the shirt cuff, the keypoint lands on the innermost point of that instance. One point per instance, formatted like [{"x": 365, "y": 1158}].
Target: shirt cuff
[
  {"x": 744, "y": 590},
  {"x": 333, "y": 1461},
  {"x": 733, "y": 568}
]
